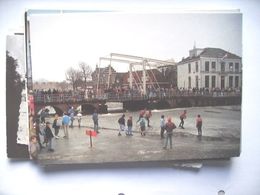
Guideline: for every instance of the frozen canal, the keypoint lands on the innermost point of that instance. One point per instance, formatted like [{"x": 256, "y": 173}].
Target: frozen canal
[{"x": 221, "y": 138}]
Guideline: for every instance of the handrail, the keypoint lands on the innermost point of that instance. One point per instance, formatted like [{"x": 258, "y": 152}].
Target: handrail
[{"x": 126, "y": 96}]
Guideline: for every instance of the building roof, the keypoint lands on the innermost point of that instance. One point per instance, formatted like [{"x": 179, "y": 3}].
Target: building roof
[
  {"x": 211, "y": 53},
  {"x": 103, "y": 70},
  {"x": 218, "y": 53}
]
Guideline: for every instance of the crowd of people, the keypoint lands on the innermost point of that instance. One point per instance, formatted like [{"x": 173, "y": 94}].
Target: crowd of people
[
  {"x": 128, "y": 93},
  {"x": 151, "y": 92},
  {"x": 65, "y": 122},
  {"x": 54, "y": 95}
]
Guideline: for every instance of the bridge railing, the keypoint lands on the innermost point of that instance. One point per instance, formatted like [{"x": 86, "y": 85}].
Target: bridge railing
[
  {"x": 168, "y": 94},
  {"x": 51, "y": 98},
  {"x": 57, "y": 98}
]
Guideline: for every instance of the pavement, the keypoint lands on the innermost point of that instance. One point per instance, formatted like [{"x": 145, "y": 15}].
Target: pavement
[{"x": 221, "y": 139}]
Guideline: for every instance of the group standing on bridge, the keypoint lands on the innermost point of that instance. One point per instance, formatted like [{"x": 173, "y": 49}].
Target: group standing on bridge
[{"x": 123, "y": 93}]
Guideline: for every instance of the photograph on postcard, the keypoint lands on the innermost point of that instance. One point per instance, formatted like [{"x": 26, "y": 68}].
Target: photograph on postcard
[{"x": 111, "y": 87}]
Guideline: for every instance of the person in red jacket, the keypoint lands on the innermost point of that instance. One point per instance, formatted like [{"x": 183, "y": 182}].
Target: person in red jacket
[
  {"x": 182, "y": 117},
  {"x": 199, "y": 125},
  {"x": 169, "y": 126}
]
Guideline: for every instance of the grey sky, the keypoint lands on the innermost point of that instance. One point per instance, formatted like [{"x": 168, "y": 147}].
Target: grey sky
[{"x": 60, "y": 41}]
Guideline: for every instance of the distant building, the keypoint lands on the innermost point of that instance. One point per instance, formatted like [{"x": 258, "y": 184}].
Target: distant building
[
  {"x": 154, "y": 78},
  {"x": 209, "y": 68},
  {"x": 100, "y": 77},
  {"x": 122, "y": 79},
  {"x": 169, "y": 72}
]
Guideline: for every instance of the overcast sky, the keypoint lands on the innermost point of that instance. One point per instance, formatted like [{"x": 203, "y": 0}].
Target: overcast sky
[{"x": 60, "y": 41}]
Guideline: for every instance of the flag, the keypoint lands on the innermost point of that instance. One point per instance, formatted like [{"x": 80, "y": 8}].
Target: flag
[
  {"x": 225, "y": 56},
  {"x": 91, "y": 133}
]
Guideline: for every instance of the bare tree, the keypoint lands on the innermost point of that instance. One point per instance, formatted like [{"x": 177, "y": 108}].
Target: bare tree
[
  {"x": 86, "y": 72},
  {"x": 73, "y": 76},
  {"x": 64, "y": 85}
]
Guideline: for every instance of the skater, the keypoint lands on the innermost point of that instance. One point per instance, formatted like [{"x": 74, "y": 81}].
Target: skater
[
  {"x": 65, "y": 125},
  {"x": 95, "y": 120},
  {"x": 199, "y": 125},
  {"x": 141, "y": 114},
  {"x": 162, "y": 125},
  {"x": 129, "y": 126},
  {"x": 43, "y": 115},
  {"x": 142, "y": 124},
  {"x": 182, "y": 117},
  {"x": 79, "y": 116},
  {"x": 34, "y": 148},
  {"x": 38, "y": 132},
  {"x": 56, "y": 127},
  {"x": 121, "y": 122},
  {"x": 48, "y": 136},
  {"x": 71, "y": 113},
  {"x": 148, "y": 115},
  {"x": 169, "y": 131}
]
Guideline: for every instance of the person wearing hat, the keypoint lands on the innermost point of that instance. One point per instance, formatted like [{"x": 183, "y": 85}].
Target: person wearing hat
[
  {"x": 169, "y": 126},
  {"x": 48, "y": 136}
]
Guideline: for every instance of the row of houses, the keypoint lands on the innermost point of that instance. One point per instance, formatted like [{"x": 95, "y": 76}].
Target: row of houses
[{"x": 204, "y": 68}]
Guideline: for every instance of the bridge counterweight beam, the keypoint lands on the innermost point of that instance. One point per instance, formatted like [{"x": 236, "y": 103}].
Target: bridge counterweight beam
[
  {"x": 131, "y": 76},
  {"x": 144, "y": 79}
]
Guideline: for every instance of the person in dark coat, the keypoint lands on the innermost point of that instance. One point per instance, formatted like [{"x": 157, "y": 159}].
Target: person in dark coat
[
  {"x": 49, "y": 136},
  {"x": 162, "y": 125},
  {"x": 183, "y": 116},
  {"x": 38, "y": 132},
  {"x": 121, "y": 122},
  {"x": 55, "y": 126}
]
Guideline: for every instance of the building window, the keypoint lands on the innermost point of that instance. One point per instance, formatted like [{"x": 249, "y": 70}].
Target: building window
[
  {"x": 237, "y": 67},
  {"x": 207, "y": 81},
  {"x": 213, "y": 81},
  {"x": 223, "y": 66},
  {"x": 189, "y": 68},
  {"x": 197, "y": 67},
  {"x": 213, "y": 66},
  {"x": 236, "y": 81},
  {"x": 231, "y": 66},
  {"x": 197, "y": 82},
  {"x": 207, "y": 66},
  {"x": 189, "y": 82},
  {"x": 230, "y": 81},
  {"x": 222, "y": 83}
]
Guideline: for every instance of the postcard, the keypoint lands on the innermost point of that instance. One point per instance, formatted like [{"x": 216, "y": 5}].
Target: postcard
[{"x": 123, "y": 87}]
